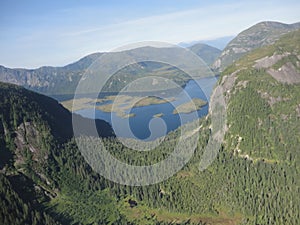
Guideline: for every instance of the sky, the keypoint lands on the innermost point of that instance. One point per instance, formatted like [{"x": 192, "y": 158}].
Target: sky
[{"x": 38, "y": 33}]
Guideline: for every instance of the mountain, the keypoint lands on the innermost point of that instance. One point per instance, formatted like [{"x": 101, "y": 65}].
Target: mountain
[
  {"x": 219, "y": 43},
  {"x": 21, "y": 105},
  {"x": 49, "y": 80},
  {"x": 55, "y": 81},
  {"x": 207, "y": 53},
  {"x": 44, "y": 178},
  {"x": 263, "y": 122},
  {"x": 263, "y": 98},
  {"x": 33, "y": 130},
  {"x": 261, "y": 34}
]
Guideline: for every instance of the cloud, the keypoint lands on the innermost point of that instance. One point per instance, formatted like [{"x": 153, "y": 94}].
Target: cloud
[
  {"x": 203, "y": 23},
  {"x": 57, "y": 42}
]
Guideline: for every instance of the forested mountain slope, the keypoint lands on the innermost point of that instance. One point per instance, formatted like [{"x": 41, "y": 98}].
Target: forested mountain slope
[
  {"x": 36, "y": 149},
  {"x": 45, "y": 180},
  {"x": 261, "y": 34},
  {"x": 64, "y": 80},
  {"x": 47, "y": 79},
  {"x": 262, "y": 91},
  {"x": 263, "y": 94},
  {"x": 254, "y": 179}
]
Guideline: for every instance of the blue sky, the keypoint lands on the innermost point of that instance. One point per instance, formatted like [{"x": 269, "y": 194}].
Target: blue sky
[{"x": 36, "y": 33}]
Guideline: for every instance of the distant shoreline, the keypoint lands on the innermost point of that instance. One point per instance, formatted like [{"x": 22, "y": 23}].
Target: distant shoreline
[{"x": 65, "y": 97}]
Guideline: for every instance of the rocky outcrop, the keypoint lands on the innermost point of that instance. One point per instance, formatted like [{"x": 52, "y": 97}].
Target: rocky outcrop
[
  {"x": 288, "y": 72},
  {"x": 55, "y": 81},
  {"x": 49, "y": 80},
  {"x": 261, "y": 34}
]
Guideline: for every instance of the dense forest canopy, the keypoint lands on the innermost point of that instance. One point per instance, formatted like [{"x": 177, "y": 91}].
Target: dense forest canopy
[{"x": 44, "y": 178}]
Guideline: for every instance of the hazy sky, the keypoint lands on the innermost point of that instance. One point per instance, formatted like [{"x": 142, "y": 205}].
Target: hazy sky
[{"x": 57, "y": 32}]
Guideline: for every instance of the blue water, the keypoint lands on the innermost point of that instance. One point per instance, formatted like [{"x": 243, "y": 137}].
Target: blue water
[{"x": 138, "y": 126}]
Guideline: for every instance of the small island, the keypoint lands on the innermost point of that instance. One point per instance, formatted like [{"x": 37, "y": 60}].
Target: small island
[
  {"x": 124, "y": 115},
  {"x": 120, "y": 104},
  {"x": 194, "y": 105},
  {"x": 152, "y": 101},
  {"x": 158, "y": 115}
]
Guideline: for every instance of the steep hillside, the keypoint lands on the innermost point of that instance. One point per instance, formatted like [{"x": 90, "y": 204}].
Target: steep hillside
[
  {"x": 22, "y": 107},
  {"x": 207, "y": 53},
  {"x": 49, "y": 80},
  {"x": 45, "y": 180},
  {"x": 263, "y": 94},
  {"x": 261, "y": 34},
  {"x": 55, "y": 81},
  {"x": 254, "y": 180},
  {"x": 37, "y": 155}
]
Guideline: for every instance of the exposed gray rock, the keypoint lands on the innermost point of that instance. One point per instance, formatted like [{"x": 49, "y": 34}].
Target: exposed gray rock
[
  {"x": 267, "y": 61},
  {"x": 261, "y": 34},
  {"x": 286, "y": 74}
]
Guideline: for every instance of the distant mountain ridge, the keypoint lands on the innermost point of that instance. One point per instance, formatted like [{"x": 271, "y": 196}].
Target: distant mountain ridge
[
  {"x": 261, "y": 34},
  {"x": 49, "y": 79},
  {"x": 219, "y": 43},
  {"x": 208, "y": 53},
  {"x": 44, "y": 178},
  {"x": 64, "y": 80}
]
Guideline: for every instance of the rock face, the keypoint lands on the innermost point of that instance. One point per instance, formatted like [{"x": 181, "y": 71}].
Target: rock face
[
  {"x": 64, "y": 80},
  {"x": 280, "y": 60},
  {"x": 49, "y": 80},
  {"x": 283, "y": 67},
  {"x": 261, "y": 91},
  {"x": 287, "y": 73},
  {"x": 261, "y": 34}
]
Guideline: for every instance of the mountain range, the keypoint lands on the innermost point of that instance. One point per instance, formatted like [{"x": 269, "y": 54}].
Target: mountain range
[
  {"x": 64, "y": 80},
  {"x": 44, "y": 178}
]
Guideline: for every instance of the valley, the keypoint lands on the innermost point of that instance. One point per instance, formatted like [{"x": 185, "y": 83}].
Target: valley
[
  {"x": 141, "y": 110},
  {"x": 46, "y": 178}
]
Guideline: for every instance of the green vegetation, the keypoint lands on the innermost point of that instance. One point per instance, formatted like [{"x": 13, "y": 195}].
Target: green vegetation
[
  {"x": 288, "y": 46},
  {"x": 191, "y": 106},
  {"x": 120, "y": 105},
  {"x": 64, "y": 80},
  {"x": 152, "y": 101},
  {"x": 81, "y": 103},
  {"x": 55, "y": 81},
  {"x": 44, "y": 179},
  {"x": 255, "y": 37},
  {"x": 158, "y": 115},
  {"x": 124, "y": 102},
  {"x": 262, "y": 112}
]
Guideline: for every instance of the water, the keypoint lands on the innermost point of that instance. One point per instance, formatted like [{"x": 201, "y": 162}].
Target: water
[{"x": 138, "y": 126}]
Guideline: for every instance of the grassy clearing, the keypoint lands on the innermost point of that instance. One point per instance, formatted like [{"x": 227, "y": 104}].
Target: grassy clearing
[
  {"x": 191, "y": 106},
  {"x": 142, "y": 214}
]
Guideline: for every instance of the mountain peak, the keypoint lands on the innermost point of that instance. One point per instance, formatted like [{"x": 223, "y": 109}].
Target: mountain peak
[{"x": 261, "y": 34}]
